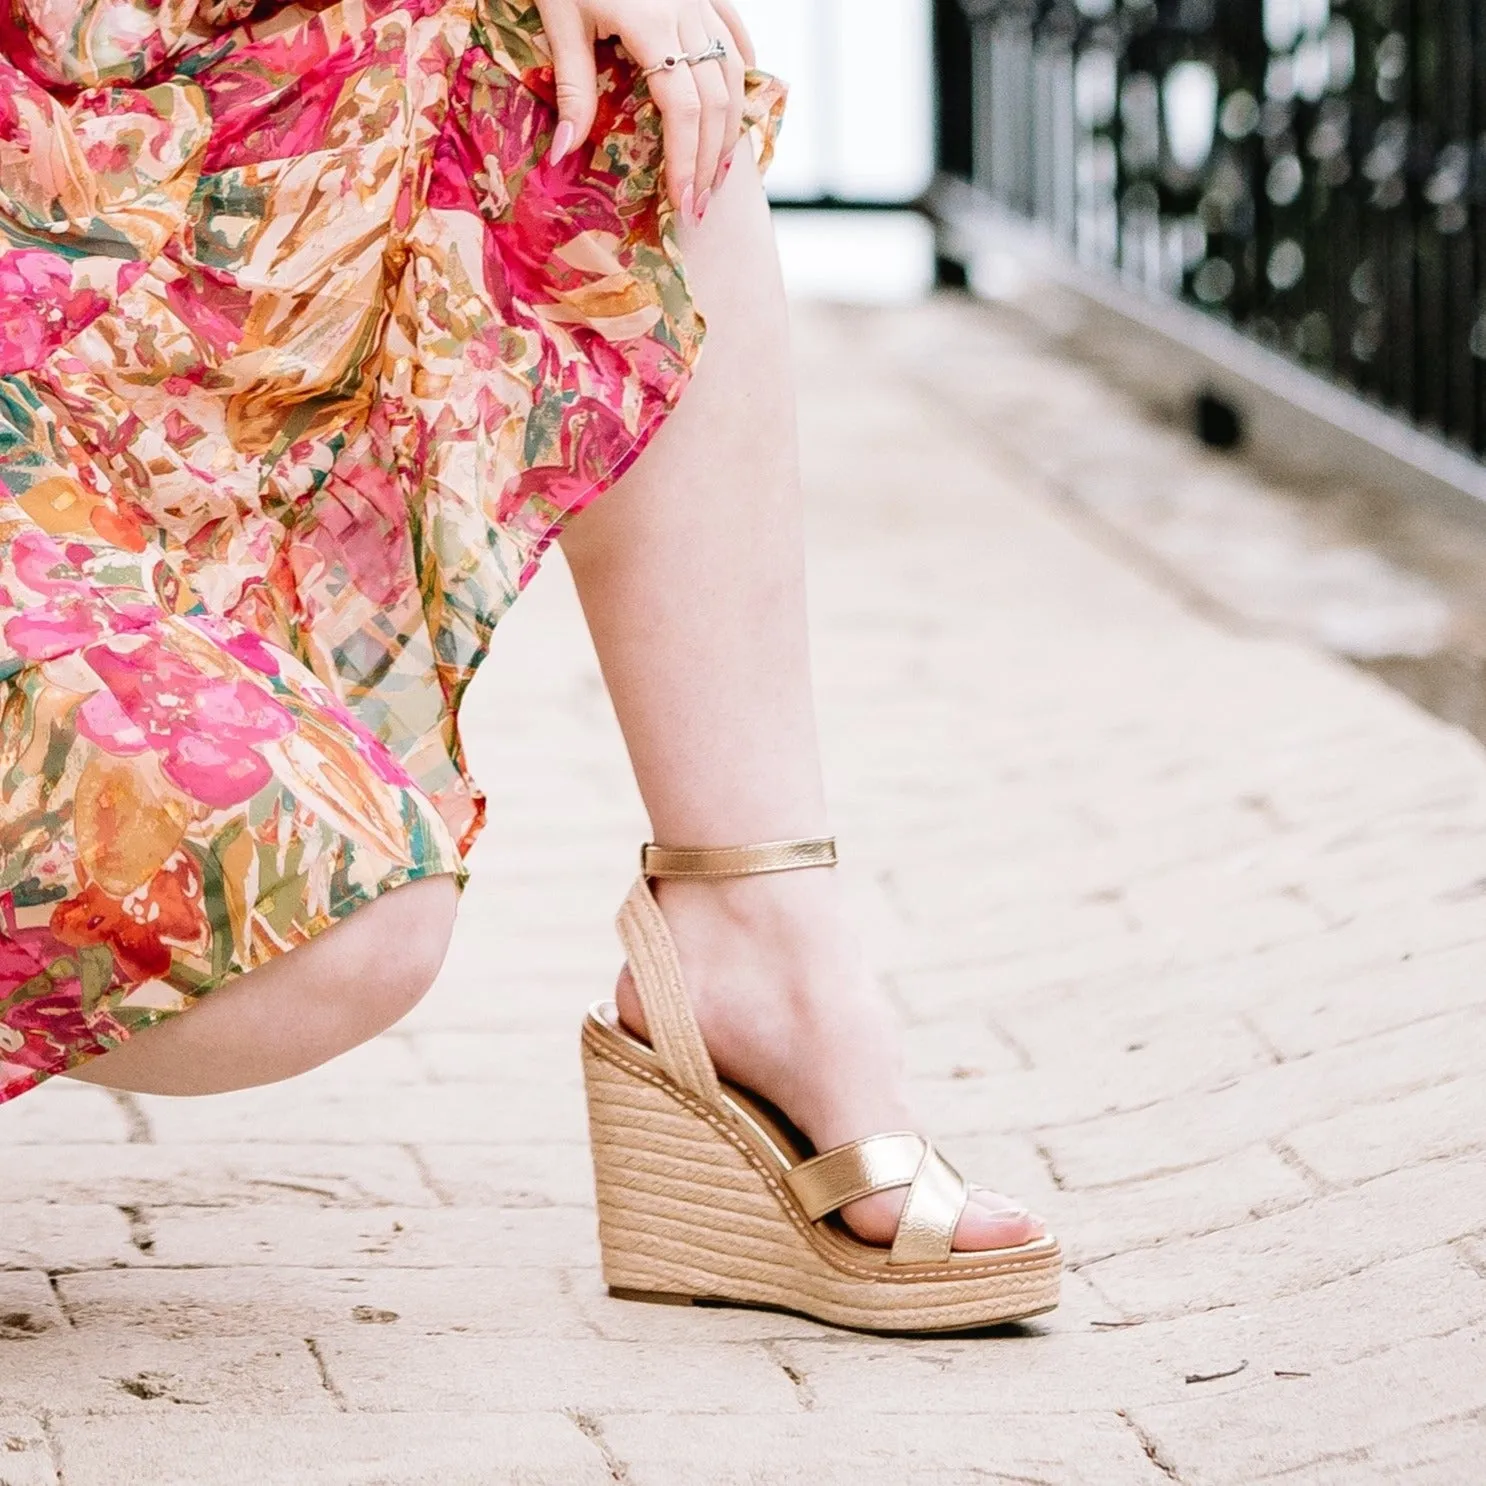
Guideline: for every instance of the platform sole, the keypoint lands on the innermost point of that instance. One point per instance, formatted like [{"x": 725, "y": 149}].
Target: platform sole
[{"x": 690, "y": 1212}]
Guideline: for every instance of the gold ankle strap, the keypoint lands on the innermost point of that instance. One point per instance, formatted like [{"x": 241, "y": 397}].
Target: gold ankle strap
[
  {"x": 736, "y": 861},
  {"x": 653, "y": 962}
]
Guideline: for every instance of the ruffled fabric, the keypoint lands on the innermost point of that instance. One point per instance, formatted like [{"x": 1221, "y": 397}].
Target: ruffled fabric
[{"x": 306, "y": 355}]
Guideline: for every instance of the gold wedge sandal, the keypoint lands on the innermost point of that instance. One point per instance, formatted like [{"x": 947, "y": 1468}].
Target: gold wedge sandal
[{"x": 707, "y": 1193}]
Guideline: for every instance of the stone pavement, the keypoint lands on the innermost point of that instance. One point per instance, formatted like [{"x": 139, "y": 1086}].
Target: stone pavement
[{"x": 1189, "y": 931}]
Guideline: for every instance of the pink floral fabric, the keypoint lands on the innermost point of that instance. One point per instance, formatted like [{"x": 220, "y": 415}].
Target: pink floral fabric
[{"x": 306, "y": 354}]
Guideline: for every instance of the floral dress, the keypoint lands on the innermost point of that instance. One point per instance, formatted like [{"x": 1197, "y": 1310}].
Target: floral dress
[{"x": 306, "y": 354}]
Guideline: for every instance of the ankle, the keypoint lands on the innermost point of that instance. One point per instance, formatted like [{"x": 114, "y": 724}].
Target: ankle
[
  {"x": 784, "y": 997},
  {"x": 777, "y": 904},
  {"x": 791, "y": 922},
  {"x": 775, "y": 970}
]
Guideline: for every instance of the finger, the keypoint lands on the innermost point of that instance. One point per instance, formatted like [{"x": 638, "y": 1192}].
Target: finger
[
  {"x": 735, "y": 75},
  {"x": 574, "y": 71},
  {"x": 711, "y": 84},
  {"x": 734, "y": 22},
  {"x": 680, "y": 106}
]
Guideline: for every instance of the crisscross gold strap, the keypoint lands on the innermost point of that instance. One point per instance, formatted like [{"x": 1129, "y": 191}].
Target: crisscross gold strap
[
  {"x": 926, "y": 1227},
  {"x": 882, "y": 1163},
  {"x": 836, "y": 1177},
  {"x": 737, "y": 861}
]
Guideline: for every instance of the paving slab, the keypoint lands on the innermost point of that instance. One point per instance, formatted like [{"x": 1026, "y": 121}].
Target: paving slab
[
  {"x": 25, "y": 1453},
  {"x": 1184, "y": 917},
  {"x": 341, "y": 1450}
]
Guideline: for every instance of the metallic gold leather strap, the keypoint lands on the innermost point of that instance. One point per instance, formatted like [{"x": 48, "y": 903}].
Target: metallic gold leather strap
[
  {"x": 936, "y": 1198},
  {"x": 841, "y": 1175},
  {"x": 926, "y": 1228},
  {"x": 737, "y": 861},
  {"x": 669, "y": 1020}
]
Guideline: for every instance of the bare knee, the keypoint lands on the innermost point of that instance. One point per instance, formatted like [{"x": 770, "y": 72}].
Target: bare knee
[
  {"x": 300, "y": 1009},
  {"x": 396, "y": 948}
]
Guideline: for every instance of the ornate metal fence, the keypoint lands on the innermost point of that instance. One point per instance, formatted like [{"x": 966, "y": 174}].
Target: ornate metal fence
[{"x": 1313, "y": 171}]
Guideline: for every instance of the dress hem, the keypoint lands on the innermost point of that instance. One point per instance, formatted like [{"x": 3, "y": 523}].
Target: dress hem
[{"x": 340, "y": 910}]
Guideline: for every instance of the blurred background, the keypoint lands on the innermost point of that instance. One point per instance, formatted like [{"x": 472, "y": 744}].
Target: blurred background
[
  {"x": 1305, "y": 168},
  {"x": 1263, "y": 219},
  {"x": 860, "y": 143}
]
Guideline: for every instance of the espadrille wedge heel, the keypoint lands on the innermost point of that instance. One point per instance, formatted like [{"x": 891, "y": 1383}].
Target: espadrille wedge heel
[{"x": 708, "y": 1194}]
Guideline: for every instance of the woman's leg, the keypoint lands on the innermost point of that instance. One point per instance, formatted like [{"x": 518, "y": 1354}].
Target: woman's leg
[
  {"x": 691, "y": 574},
  {"x": 299, "y": 1010}
]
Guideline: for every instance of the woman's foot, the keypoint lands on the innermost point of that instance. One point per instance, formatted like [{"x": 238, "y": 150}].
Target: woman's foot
[{"x": 789, "y": 1010}]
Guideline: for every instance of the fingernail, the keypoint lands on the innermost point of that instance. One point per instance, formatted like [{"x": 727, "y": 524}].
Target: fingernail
[
  {"x": 562, "y": 141},
  {"x": 686, "y": 202},
  {"x": 702, "y": 201}
]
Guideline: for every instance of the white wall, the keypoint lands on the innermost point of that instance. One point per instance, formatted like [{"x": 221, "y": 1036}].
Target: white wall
[{"x": 861, "y": 118}]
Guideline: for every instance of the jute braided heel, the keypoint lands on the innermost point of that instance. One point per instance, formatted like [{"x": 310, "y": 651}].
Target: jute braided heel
[{"x": 707, "y": 1193}]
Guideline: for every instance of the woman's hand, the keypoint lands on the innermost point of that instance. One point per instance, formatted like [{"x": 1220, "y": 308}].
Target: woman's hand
[{"x": 701, "y": 106}]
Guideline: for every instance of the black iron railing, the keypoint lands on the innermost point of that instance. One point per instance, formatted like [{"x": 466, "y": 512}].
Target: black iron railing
[{"x": 1313, "y": 171}]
